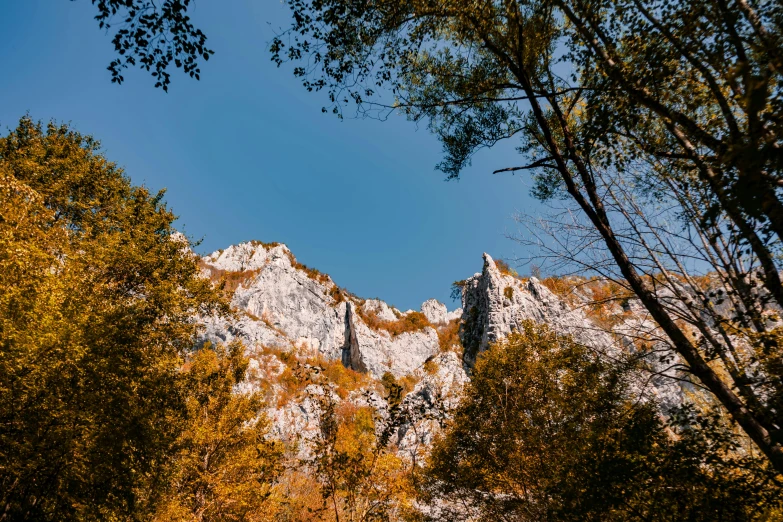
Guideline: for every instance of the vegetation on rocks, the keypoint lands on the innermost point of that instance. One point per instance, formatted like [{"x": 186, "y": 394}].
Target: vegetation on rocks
[
  {"x": 409, "y": 322},
  {"x": 448, "y": 336},
  {"x": 337, "y": 294},
  {"x": 359, "y": 476},
  {"x": 505, "y": 268},
  {"x": 297, "y": 372},
  {"x": 312, "y": 273},
  {"x": 265, "y": 246},
  {"x": 228, "y": 280},
  {"x": 602, "y": 300},
  {"x": 658, "y": 148}
]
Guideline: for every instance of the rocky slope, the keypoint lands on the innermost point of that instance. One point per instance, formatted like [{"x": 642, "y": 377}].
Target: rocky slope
[
  {"x": 288, "y": 314},
  {"x": 284, "y": 304},
  {"x": 496, "y": 303}
]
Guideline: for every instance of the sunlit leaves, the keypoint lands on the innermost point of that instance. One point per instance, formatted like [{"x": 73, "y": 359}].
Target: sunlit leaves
[{"x": 96, "y": 311}]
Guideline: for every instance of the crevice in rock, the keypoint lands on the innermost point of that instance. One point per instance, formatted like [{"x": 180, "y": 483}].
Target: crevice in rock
[{"x": 351, "y": 357}]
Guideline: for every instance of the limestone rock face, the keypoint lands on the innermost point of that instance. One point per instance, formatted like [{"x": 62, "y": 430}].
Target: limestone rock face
[
  {"x": 282, "y": 304},
  {"x": 378, "y": 351},
  {"x": 494, "y": 304},
  {"x": 279, "y": 304},
  {"x": 383, "y": 311},
  {"x": 430, "y": 403},
  {"x": 245, "y": 256},
  {"x": 437, "y": 313},
  {"x": 284, "y": 308}
]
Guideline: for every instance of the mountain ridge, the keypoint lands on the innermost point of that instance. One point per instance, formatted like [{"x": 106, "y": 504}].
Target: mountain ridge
[{"x": 411, "y": 364}]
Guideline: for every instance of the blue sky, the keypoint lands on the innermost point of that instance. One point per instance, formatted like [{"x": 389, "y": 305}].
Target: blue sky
[{"x": 246, "y": 153}]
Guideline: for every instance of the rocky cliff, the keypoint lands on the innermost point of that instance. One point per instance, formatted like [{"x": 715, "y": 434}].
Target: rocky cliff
[
  {"x": 495, "y": 303},
  {"x": 288, "y": 314},
  {"x": 284, "y": 304}
]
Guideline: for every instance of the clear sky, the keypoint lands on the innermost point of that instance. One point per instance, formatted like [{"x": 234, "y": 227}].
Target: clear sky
[{"x": 246, "y": 153}]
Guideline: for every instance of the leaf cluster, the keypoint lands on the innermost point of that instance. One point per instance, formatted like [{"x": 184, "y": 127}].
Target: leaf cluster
[
  {"x": 96, "y": 308},
  {"x": 153, "y": 35}
]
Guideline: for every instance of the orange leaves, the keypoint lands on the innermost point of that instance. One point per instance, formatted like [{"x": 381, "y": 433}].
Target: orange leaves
[
  {"x": 410, "y": 322},
  {"x": 312, "y": 273},
  {"x": 505, "y": 269},
  {"x": 448, "y": 336},
  {"x": 229, "y": 279}
]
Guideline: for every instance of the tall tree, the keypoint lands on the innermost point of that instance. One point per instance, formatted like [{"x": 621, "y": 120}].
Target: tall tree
[
  {"x": 546, "y": 431},
  {"x": 361, "y": 479},
  {"x": 97, "y": 301},
  {"x": 226, "y": 466},
  {"x": 691, "y": 86}
]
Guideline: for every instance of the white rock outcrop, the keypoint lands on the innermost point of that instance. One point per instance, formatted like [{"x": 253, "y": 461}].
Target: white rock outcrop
[
  {"x": 279, "y": 304},
  {"x": 378, "y": 351},
  {"x": 282, "y": 304},
  {"x": 437, "y": 313},
  {"x": 430, "y": 404},
  {"x": 494, "y": 304}
]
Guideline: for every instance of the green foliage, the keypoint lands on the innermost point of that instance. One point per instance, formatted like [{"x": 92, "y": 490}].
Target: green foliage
[
  {"x": 546, "y": 430},
  {"x": 96, "y": 306},
  {"x": 456, "y": 290}
]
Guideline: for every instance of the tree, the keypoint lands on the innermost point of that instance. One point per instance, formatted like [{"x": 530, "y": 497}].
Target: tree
[
  {"x": 226, "y": 467},
  {"x": 547, "y": 430},
  {"x": 153, "y": 36},
  {"x": 360, "y": 477},
  {"x": 96, "y": 309},
  {"x": 691, "y": 88}
]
